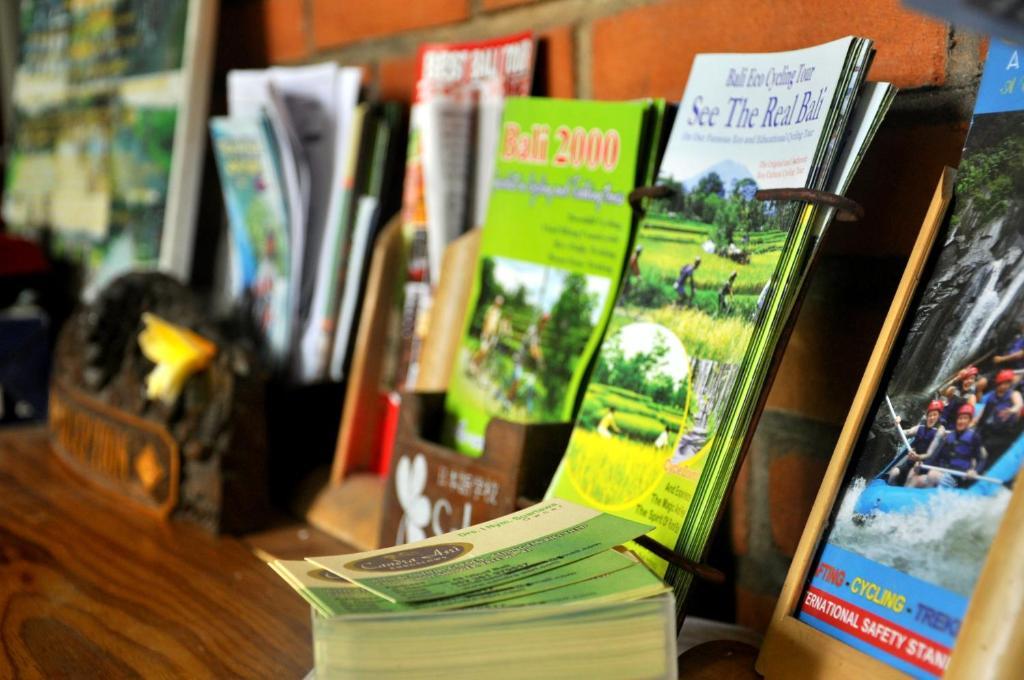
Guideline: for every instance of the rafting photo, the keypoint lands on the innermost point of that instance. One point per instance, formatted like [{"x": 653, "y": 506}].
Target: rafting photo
[{"x": 931, "y": 475}]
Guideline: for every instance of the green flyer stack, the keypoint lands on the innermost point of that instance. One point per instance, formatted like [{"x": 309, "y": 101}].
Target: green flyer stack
[
  {"x": 557, "y": 232},
  {"x": 519, "y": 596},
  {"x": 710, "y": 284}
]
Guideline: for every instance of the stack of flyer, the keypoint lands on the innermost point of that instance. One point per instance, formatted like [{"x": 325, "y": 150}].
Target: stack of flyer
[
  {"x": 711, "y": 283},
  {"x": 308, "y": 175},
  {"x": 542, "y": 593},
  {"x": 558, "y": 230},
  {"x": 453, "y": 138}
]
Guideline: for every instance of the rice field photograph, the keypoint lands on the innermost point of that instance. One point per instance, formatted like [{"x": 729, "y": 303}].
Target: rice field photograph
[{"x": 635, "y": 408}]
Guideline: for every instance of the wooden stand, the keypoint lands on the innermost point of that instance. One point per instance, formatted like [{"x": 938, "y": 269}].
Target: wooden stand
[
  {"x": 518, "y": 461},
  {"x": 348, "y": 507},
  {"x": 793, "y": 649}
]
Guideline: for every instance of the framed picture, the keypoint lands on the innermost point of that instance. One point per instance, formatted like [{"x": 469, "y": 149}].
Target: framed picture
[{"x": 110, "y": 103}]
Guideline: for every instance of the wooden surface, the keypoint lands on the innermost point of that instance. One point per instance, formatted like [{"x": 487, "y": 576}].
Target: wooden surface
[
  {"x": 793, "y": 649},
  {"x": 719, "y": 660},
  {"x": 293, "y": 540},
  {"x": 91, "y": 589}
]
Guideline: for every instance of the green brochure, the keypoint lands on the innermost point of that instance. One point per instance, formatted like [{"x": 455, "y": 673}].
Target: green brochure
[
  {"x": 545, "y": 536},
  {"x": 633, "y": 582},
  {"x": 709, "y": 284},
  {"x": 334, "y": 596},
  {"x": 552, "y": 250}
]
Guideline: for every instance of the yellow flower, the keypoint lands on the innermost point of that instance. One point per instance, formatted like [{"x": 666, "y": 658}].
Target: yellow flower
[{"x": 177, "y": 353}]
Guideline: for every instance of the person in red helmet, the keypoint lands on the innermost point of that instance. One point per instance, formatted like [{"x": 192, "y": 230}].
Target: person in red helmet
[
  {"x": 958, "y": 394},
  {"x": 998, "y": 413},
  {"x": 926, "y": 437},
  {"x": 961, "y": 450}
]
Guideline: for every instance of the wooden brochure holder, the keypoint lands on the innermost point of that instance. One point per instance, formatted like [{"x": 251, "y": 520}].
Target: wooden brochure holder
[
  {"x": 518, "y": 462},
  {"x": 349, "y": 505},
  {"x": 989, "y": 643}
]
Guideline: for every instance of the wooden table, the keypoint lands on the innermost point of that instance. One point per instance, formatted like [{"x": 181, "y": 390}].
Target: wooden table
[{"x": 91, "y": 589}]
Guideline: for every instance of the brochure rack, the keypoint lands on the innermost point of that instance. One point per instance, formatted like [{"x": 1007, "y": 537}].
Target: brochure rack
[
  {"x": 794, "y": 649},
  {"x": 349, "y": 505},
  {"x": 363, "y": 509},
  {"x": 518, "y": 461},
  {"x": 847, "y": 210}
]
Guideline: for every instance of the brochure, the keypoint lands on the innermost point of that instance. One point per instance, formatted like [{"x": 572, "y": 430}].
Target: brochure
[
  {"x": 459, "y": 95},
  {"x": 551, "y": 255},
  {"x": 334, "y": 596},
  {"x": 453, "y": 135},
  {"x": 376, "y": 200},
  {"x": 535, "y": 540},
  {"x": 706, "y": 291},
  {"x": 259, "y": 221},
  {"x": 929, "y": 478}
]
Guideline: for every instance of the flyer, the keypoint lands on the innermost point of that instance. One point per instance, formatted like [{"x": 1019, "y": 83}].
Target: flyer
[
  {"x": 453, "y": 128},
  {"x": 711, "y": 275},
  {"x": 334, "y": 596},
  {"x": 535, "y": 540},
  {"x": 259, "y": 222},
  {"x": 551, "y": 256},
  {"x": 929, "y": 478}
]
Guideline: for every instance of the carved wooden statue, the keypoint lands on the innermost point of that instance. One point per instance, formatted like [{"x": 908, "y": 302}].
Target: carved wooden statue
[{"x": 182, "y": 436}]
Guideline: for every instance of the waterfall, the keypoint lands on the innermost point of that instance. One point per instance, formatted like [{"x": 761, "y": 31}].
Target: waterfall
[
  {"x": 710, "y": 384},
  {"x": 967, "y": 339},
  {"x": 1006, "y": 299}
]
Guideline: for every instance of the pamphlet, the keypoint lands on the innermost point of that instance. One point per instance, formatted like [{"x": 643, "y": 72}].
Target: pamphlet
[
  {"x": 459, "y": 95},
  {"x": 334, "y": 596},
  {"x": 929, "y": 479},
  {"x": 551, "y": 255},
  {"x": 453, "y": 135},
  {"x": 535, "y": 540},
  {"x": 259, "y": 222},
  {"x": 708, "y": 282}
]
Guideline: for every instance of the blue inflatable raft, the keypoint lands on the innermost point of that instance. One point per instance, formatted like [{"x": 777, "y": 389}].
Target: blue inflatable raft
[{"x": 879, "y": 497}]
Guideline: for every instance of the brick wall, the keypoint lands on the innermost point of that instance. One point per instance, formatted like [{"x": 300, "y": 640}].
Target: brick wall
[
  {"x": 611, "y": 49},
  {"x": 618, "y": 49}
]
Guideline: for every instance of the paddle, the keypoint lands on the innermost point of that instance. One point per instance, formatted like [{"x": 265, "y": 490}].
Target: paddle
[
  {"x": 896, "y": 419},
  {"x": 900, "y": 455},
  {"x": 958, "y": 473}
]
